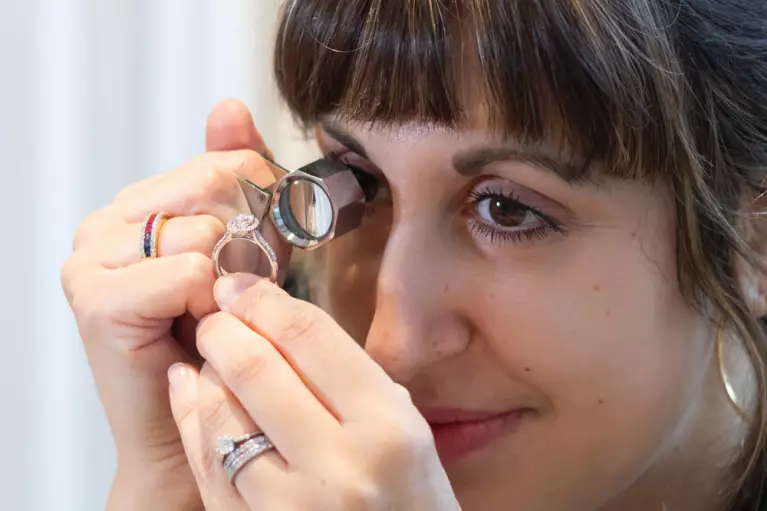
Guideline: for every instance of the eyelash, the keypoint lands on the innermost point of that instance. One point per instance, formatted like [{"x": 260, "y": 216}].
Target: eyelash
[
  {"x": 477, "y": 227},
  {"x": 499, "y": 235}
]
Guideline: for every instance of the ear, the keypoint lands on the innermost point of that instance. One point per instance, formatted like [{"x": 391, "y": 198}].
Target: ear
[{"x": 753, "y": 279}]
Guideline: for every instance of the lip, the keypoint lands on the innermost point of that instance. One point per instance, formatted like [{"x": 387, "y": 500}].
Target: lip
[{"x": 458, "y": 433}]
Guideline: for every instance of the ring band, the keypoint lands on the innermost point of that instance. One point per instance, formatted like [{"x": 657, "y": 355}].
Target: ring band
[
  {"x": 244, "y": 454},
  {"x": 245, "y": 227},
  {"x": 151, "y": 234},
  {"x": 226, "y": 445}
]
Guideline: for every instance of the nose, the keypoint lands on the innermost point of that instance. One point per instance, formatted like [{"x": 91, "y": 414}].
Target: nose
[{"x": 416, "y": 321}]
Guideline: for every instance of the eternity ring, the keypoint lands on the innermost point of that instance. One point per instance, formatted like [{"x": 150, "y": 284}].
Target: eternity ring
[
  {"x": 150, "y": 234},
  {"x": 245, "y": 227},
  {"x": 244, "y": 454}
]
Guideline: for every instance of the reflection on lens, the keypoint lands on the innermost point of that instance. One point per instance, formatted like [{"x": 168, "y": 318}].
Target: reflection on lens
[{"x": 306, "y": 210}]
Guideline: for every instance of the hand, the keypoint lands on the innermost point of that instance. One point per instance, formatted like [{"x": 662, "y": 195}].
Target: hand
[
  {"x": 137, "y": 317},
  {"x": 346, "y": 436}
]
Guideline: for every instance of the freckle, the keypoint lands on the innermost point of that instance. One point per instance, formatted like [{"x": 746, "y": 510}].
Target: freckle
[
  {"x": 527, "y": 369},
  {"x": 633, "y": 234},
  {"x": 608, "y": 313},
  {"x": 597, "y": 288},
  {"x": 447, "y": 287},
  {"x": 601, "y": 402}
]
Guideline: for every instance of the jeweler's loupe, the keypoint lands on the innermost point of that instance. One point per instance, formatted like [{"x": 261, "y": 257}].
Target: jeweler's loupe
[{"x": 310, "y": 206}]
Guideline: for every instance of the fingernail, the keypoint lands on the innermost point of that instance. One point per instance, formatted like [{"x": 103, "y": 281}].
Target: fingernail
[
  {"x": 229, "y": 288},
  {"x": 178, "y": 376}
]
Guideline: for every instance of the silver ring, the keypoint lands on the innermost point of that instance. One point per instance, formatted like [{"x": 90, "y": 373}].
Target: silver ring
[
  {"x": 244, "y": 454},
  {"x": 226, "y": 445},
  {"x": 245, "y": 227}
]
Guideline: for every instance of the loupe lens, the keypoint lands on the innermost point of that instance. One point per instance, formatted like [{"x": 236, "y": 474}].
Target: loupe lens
[{"x": 305, "y": 210}]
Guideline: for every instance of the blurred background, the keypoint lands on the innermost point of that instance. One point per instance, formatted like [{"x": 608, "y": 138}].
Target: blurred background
[{"x": 95, "y": 94}]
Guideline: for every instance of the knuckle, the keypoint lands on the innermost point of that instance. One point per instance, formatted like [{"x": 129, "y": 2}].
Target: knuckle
[
  {"x": 85, "y": 231},
  {"x": 67, "y": 275},
  {"x": 401, "y": 442},
  {"x": 213, "y": 412},
  {"x": 208, "y": 324},
  {"x": 204, "y": 233},
  {"x": 299, "y": 322},
  {"x": 248, "y": 369},
  {"x": 92, "y": 313},
  {"x": 217, "y": 184},
  {"x": 249, "y": 163},
  {"x": 204, "y": 464},
  {"x": 359, "y": 493},
  {"x": 127, "y": 193},
  {"x": 194, "y": 266}
]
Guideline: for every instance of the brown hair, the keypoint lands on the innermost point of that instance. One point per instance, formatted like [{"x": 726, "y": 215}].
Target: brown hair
[{"x": 656, "y": 90}]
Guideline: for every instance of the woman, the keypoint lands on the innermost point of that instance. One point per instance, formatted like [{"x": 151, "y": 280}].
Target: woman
[{"x": 557, "y": 284}]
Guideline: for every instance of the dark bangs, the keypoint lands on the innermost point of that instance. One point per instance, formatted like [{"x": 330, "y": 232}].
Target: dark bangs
[{"x": 598, "y": 77}]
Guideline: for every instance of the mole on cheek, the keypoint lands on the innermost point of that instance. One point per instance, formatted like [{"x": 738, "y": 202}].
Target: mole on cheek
[
  {"x": 597, "y": 288},
  {"x": 601, "y": 402},
  {"x": 527, "y": 369}
]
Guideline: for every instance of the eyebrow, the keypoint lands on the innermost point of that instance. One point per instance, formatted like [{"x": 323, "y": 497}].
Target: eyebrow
[
  {"x": 344, "y": 138},
  {"x": 470, "y": 163}
]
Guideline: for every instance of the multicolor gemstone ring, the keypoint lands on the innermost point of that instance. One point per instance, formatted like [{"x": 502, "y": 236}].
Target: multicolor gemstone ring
[
  {"x": 151, "y": 233},
  {"x": 245, "y": 227}
]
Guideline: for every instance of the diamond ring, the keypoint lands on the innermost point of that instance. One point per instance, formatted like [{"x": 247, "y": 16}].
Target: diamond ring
[
  {"x": 245, "y": 227},
  {"x": 244, "y": 453},
  {"x": 226, "y": 445}
]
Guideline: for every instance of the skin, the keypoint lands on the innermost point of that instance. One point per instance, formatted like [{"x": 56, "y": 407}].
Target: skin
[
  {"x": 629, "y": 407},
  {"x": 587, "y": 331}
]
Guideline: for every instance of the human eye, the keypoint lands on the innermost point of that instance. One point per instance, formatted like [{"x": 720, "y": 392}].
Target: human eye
[
  {"x": 496, "y": 211},
  {"x": 373, "y": 186}
]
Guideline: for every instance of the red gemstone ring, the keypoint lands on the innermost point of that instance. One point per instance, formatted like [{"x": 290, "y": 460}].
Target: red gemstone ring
[{"x": 151, "y": 233}]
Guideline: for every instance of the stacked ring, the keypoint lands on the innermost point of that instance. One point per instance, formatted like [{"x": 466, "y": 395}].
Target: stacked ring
[
  {"x": 151, "y": 232},
  {"x": 243, "y": 454}
]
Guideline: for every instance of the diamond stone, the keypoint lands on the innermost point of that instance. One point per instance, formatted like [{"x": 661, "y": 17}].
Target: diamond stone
[
  {"x": 225, "y": 446},
  {"x": 243, "y": 224}
]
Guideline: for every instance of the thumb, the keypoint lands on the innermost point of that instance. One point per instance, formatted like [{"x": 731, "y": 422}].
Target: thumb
[
  {"x": 229, "y": 288},
  {"x": 230, "y": 127}
]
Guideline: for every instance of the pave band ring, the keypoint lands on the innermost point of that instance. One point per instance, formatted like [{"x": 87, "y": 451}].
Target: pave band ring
[
  {"x": 245, "y": 227},
  {"x": 246, "y": 452}
]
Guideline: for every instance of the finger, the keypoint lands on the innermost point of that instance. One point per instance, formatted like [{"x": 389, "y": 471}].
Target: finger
[
  {"x": 207, "y": 184},
  {"x": 184, "y": 382},
  {"x": 221, "y": 415},
  {"x": 178, "y": 235},
  {"x": 151, "y": 294},
  {"x": 332, "y": 364},
  {"x": 230, "y": 126},
  {"x": 271, "y": 392}
]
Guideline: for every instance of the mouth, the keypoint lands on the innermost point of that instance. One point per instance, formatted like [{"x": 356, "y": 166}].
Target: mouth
[{"x": 457, "y": 433}]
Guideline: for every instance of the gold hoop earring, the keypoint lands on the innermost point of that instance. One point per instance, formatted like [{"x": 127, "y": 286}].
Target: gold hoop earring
[{"x": 731, "y": 393}]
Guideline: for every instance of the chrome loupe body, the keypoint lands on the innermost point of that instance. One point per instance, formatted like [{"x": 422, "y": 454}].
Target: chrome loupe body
[{"x": 309, "y": 206}]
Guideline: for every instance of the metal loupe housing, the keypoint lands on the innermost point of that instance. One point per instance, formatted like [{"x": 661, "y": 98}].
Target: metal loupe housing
[{"x": 312, "y": 205}]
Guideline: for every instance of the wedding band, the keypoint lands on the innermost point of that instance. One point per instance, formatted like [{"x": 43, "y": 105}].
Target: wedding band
[
  {"x": 151, "y": 233},
  {"x": 226, "y": 445},
  {"x": 244, "y": 454},
  {"x": 245, "y": 227}
]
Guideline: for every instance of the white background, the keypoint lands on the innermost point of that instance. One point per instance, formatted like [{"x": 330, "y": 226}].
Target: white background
[{"x": 95, "y": 94}]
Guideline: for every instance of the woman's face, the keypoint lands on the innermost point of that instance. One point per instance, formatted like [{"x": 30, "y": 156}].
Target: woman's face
[{"x": 483, "y": 281}]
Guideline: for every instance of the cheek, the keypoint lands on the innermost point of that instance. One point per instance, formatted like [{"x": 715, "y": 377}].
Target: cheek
[
  {"x": 609, "y": 345},
  {"x": 349, "y": 280}
]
